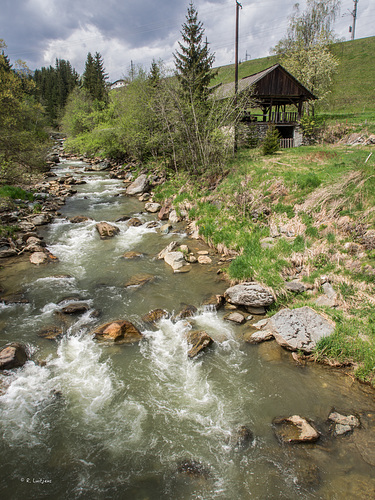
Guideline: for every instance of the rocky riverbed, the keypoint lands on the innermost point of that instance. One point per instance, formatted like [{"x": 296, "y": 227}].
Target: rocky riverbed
[{"x": 136, "y": 365}]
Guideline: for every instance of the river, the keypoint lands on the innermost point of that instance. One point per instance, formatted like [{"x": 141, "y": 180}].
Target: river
[{"x": 90, "y": 420}]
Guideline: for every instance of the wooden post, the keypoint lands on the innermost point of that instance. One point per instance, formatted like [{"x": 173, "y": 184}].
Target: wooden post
[{"x": 238, "y": 5}]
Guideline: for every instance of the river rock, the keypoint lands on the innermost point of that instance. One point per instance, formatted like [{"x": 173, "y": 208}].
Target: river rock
[
  {"x": 242, "y": 438},
  {"x": 139, "y": 186},
  {"x": 175, "y": 259},
  {"x": 7, "y": 252},
  {"x": 119, "y": 331},
  {"x": 106, "y": 230},
  {"x": 38, "y": 258},
  {"x": 235, "y": 317},
  {"x": 40, "y": 219},
  {"x": 50, "y": 332},
  {"x": 187, "y": 312},
  {"x": 165, "y": 228},
  {"x": 164, "y": 212},
  {"x": 174, "y": 218},
  {"x": 199, "y": 341},
  {"x": 249, "y": 294},
  {"x": 343, "y": 424},
  {"x": 214, "y": 302},
  {"x": 258, "y": 337},
  {"x": 259, "y": 311},
  {"x": 135, "y": 222},
  {"x": 299, "y": 329},
  {"x": 172, "y": 245},
  {"x": 12, "y": 356},
  {"x": 295, "y": 429},
  {"x": 78, "y": 219},
  {"x": 152, "y": 207},
  {"x": 75, "y": 308},
  {"x": 204, "y": 259},
  {"x": 155, "y": 315},
  {"x": 139, "y": 280},
  {"x": 193, "y": 469}
]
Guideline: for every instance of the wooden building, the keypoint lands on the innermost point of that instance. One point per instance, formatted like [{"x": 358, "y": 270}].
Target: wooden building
[{"x": 276, "y": 97}]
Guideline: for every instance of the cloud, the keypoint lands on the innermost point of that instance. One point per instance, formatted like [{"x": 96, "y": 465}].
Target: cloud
[{"x": 39, "y": 31}]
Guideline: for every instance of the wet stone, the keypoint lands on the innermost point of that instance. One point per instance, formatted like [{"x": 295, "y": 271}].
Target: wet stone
[
  {"x": 187, "y": 312},
  {"x": 154, "y": 315},
  {"x": 295, "y": 429},
  {"x": 119, "y": 331},
  {"x": 50, "y": 333},
  {"x": 12, "y": 356},
  {"x": 139, "y": 280},
  {"x": 193, "y": 469},
  {"x": 235, "y": 317},
  {"x": 132, "y": 255},
  {"x": 75, "y": 308},
  {"x": 199, "y": 341}
]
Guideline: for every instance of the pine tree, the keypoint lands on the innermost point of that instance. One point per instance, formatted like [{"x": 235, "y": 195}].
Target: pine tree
[
  {"x": 94, "y": 77},
  {"x": 194, "y": 61}
]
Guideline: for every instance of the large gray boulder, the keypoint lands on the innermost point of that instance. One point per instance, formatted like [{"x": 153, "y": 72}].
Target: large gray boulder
[
  {"x": 299, "y": 329},
  {"x": 139, "y": 186},
  {"x": 249, "y": 294}
]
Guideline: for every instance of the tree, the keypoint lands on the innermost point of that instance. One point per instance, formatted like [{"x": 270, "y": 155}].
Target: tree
[
  {"x": 305, "y": 49},
  {"x": 22, "y": 137},
  {"x": 94, "y": 77},
  {"x": 312, "y": 27},
  {"x": 194, "y": 61}
]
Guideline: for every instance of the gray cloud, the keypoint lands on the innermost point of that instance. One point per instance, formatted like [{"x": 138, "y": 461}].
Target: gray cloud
[{"x": 39, "y": 31}]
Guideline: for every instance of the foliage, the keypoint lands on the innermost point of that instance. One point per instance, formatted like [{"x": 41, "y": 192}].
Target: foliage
[
  {"x": 310, "y": 28},
  {"x": 22, "y": 136},
  {"x": 53, "y": 85},
  {"x": 194, "y": 61},
  {"x": 305, "y": 49},
  {"x": 271, "y": 142},
  {"x": 311, "y": 125}
]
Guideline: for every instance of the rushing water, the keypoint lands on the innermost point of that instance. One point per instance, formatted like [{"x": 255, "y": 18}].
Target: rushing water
[{"x": 89, "y": 420}]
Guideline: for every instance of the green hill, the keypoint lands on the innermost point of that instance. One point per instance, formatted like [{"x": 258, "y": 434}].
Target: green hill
[{"x": 353, "y": 89}]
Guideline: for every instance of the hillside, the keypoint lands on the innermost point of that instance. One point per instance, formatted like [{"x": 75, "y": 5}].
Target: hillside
[{"x": 353, "y": 88}]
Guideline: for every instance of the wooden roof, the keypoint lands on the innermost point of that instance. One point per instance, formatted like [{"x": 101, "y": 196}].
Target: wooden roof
[{"x": 274, "y": 83}]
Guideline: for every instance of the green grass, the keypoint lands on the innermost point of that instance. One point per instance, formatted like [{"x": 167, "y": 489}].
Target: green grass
[{"x": 15, "y": 193}]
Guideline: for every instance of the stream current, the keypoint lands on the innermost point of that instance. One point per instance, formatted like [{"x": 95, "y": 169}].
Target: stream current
[{"x": 117, "y": 421}]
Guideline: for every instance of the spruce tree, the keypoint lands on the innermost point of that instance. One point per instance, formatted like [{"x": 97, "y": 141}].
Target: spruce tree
[
  {"x": 94, "y": 77},
  {"x": 194, "y": 61}
]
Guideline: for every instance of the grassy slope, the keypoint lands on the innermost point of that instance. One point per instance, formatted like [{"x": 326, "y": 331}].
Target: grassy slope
[{"x": 353, "y": 90}]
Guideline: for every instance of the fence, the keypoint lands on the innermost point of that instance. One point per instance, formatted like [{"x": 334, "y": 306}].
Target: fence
[{"x": 287, "y": 143}]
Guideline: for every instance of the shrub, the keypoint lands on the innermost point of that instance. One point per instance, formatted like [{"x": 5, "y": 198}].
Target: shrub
[{"x": 271, "y": 142}]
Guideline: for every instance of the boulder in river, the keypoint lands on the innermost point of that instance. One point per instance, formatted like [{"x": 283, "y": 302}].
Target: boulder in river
[
  {"x": 51, "y": 332},
  {"x": 139, "y": 280},
  {"x": 154, "y": 315},
  {"x": 77, "y": 219},
  {"x": 106, "y": 230},
  {"x": 295, "y": 429},
  {"x": 135, "y": 222},
  {"x": 175, "y": 259},
  {"x": 199, "y": 341},
  {"x": 249, "y": 294},
  {"x": 152, "y": 207},
  {"x": 299, "y": 329},
  {"x": 119, "y": 331},
  {"x": 38, "y": 258},
  {"x": 343, "y": 424},
  {"x": 75, "y": 308},
  {"x": 139, "y": 186},
  {"x": 12, "y": 356}
]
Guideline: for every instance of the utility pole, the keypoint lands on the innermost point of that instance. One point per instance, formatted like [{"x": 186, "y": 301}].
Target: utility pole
[
  {"x": 354, "y": 14},
  {"x": 238, "y": 6}
]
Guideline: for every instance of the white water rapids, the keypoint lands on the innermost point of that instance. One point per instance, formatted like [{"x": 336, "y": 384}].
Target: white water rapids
[{"x": 88, "y": 420}]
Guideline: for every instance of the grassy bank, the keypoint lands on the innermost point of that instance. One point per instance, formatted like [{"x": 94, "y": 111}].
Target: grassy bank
[{"x": 303, "y": 214}]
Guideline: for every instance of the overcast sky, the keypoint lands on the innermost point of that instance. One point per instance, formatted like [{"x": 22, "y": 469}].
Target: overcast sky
[{"x": 39, "y": 31}]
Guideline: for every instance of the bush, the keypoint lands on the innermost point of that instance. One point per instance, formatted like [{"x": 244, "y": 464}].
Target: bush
[{"x": 271, "y": 142}]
